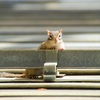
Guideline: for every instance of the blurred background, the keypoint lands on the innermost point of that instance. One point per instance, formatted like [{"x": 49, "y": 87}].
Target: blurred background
[{"x": 23, "y": 23}]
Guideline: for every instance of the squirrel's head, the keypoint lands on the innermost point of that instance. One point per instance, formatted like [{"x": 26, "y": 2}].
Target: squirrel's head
[{"x": 55, "y": 36}]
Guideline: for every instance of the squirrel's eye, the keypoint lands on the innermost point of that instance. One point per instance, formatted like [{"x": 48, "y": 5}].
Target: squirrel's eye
[
  {"x": 59, "y": 35},
  {"x": 50, "y": 36}
]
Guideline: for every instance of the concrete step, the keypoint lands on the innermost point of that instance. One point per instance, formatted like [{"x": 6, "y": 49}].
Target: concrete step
[
  {"x": 67, "y": 78},
  {"x": 39, "y": 38},
  {"x": 34, "y": 45},
  {"x": 50, "y": 93},
  {"x": 69, "y": 94},
  {"x": 52, "y": 14},
  {"x": 63, "y": 5},
  {"x": 34, "y": 58},
  {"x": 50, "y": 22},
  {"x": 42, "y": 29},
  {"x": 53, "y": 98},
  {"x": 66, "y": 85}
]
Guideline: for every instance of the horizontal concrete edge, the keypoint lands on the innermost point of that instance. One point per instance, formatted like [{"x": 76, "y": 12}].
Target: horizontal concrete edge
[
  {"x": 79, "y": 58},
  {"x": 37, "y": 58}
]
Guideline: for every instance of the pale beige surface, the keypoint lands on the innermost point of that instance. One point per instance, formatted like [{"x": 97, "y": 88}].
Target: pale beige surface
[
  {"x": 50, "y": 98},
  {"x": 42, "y": 92}
]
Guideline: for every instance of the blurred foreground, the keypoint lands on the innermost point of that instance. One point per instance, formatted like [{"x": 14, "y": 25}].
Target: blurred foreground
[{"x": 23, "y": 23}]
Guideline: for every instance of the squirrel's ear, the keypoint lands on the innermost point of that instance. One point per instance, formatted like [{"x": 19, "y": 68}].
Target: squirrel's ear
[
  {"x": 48, "y": 32},
  {"x": 61, "y": 31}
]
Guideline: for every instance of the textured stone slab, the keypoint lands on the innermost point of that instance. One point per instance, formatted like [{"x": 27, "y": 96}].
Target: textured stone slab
[
  {"x": 34, "y": 58},
  {"x": 21, "y": 58},
  {"x": 51, "y": 55},
  {"x": 79, "y": 58}
]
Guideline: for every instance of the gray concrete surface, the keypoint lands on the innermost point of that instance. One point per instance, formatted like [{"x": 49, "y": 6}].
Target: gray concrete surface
[
  {"x": 21, "y": 58},
  {"x": 79, "y": 58},
  {"x": 34, "y": 58}
]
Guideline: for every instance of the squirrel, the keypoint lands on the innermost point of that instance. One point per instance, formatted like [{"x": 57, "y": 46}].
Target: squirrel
[{"x": 53, "y": 42}]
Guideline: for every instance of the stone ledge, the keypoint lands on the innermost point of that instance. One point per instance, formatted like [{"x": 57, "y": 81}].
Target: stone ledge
[
  {"x": 34, "y": 58},
  {"x": 79, "y": 58}
]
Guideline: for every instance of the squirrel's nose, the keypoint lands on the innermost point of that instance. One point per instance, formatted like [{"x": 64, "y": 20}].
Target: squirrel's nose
[{"x": 55, "y": 40}]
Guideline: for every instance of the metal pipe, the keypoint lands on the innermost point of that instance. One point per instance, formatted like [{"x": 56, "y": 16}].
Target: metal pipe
[
  {"x": 50, "y": 85},
  {"x": 17, "y": 71},
  {"x": 79, "y": 71},
  {"x": 61, "y": 71},
  {"x": 85, "y": 78},
  {"x": 49, "y": 93},
  {"x": 67, "y": 78}
]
